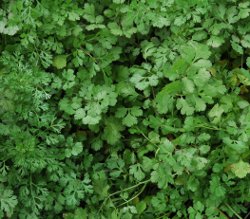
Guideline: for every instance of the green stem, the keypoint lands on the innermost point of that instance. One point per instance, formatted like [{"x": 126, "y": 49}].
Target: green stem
[
  {"x": 208, "y": 127},
  {"x": 131, "y": 199},
  {"x": 123, "y": 190},
  {"x": 129, "y": 188},
  {"x": 236, "y": 214},
  {"x": 146, "y": 137}
]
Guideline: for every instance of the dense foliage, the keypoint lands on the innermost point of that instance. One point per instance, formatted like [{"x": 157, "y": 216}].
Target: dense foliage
[{"x": 118, "y": 109}]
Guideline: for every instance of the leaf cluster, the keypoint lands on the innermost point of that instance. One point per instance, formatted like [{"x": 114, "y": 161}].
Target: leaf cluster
[{"x": 124, "y": 109}]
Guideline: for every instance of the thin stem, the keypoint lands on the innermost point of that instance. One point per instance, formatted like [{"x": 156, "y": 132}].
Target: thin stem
[
  {"x": 236, "y": 214},
  {"x": 131, "y": 199},
  {"x": 247, "y": 215},
  {"x": 129, "y": 188},
  {"x": 208, "y": 127},
  {"x": 146, "y": 137},
  {"x": 123, "y": 190},
  {"x": 222, "y": 213}
]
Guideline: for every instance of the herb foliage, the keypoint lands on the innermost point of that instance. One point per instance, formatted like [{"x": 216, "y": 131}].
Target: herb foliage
[{"x": 124, "y": 109}]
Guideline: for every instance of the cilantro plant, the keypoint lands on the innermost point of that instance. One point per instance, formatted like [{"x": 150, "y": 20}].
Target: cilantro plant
[{"x": 120, "y": 109}]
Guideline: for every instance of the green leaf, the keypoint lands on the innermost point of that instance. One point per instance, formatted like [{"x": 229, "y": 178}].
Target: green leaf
[
  {"x": 164, "y": 99},
  {"x": 137, "y": 172},
  {"x": 8, "y": 201},
  {"x": 166, "y": 147},
  {"x": 216, "y": 112},
  {"x": 204, "y": 149},
  {"x": 195, "y": 51},
  {"x": 188, "y": 85},
  {"x": 129, "y": 115},
  {"x": 216, "y": 188},
  {"x": 200, "y": 104},
  {"x": 240, "y": 169},
  {"x": 80, "y": 114},
  {"x": 162, "y": 175},
  {"x": 65, "y": 105},
  {"x": 201, "y": 78},
  {"x": 185, "y": 107},
  {"x": 115, "y": 29},
  {"x": 112, "y": 130},
  {"x": 77, "y": 149},
  {"x": 215, "y": 41},
  {"x": 248, "y": 62},
  {"x": 176, "y": 70},
  {"x": 243, "y": 104},
  {"x": 129, "y": 120},
  {"x": 141, "y": 207},
  {"x": 171, "y": 88},
  {"x": 60, "y": 61},
  {"x": 141, "y": 78},
  {"x": 202, "y": 63},
  {"x": 80, "y": 213},
  {"x": 118, "y": 1},
  {"x": 237, "y": 47}
]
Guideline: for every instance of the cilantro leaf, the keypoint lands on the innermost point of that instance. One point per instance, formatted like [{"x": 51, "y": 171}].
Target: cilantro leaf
[
  {"x": 112, "y": 130},
  {"x": 240, "y": 169},
  {"x": 60, "y": 61}
]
